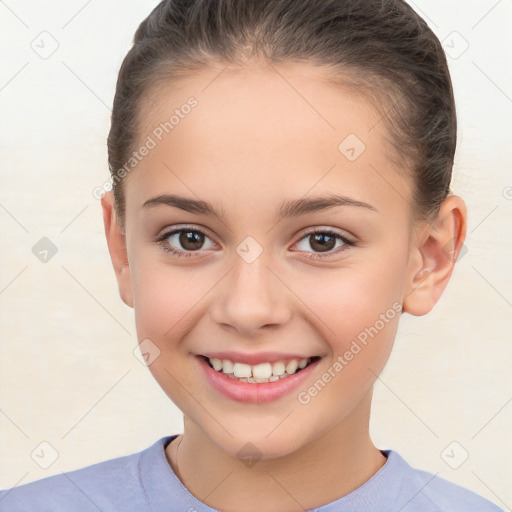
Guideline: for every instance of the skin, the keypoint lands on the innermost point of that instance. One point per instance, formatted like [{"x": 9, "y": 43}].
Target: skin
[{"x": 261, "y": 135}]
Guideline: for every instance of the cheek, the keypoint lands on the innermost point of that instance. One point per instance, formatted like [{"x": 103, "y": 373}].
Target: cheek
[
  {"x": 165, "y": 298},
  {"x": 357, "y": 311},
  {"x": 348, "y": 300},
  {"x": 358, "y": 318},
  {"x": 167, "y": 302}
]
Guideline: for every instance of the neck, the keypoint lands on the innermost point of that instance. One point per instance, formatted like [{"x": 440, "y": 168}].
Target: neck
[{"x": 324, "y": 470}]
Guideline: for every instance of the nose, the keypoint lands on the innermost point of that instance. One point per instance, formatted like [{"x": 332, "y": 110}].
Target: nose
[{"x": 251, "y": 297}]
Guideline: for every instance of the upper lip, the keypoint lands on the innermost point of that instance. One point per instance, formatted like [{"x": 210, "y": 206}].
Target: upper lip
[{"x": 254, "y": 358}]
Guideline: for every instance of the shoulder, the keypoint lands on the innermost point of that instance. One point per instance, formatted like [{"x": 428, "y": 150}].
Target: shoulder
[
  {"x": 426, "y": 492},
  {"x": 109, "y": 485}
]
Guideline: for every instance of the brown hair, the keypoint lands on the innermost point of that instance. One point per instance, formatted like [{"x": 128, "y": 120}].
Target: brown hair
[{"x": 383, "y": 46}]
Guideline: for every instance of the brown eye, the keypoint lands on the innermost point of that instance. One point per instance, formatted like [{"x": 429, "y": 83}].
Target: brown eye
[
  {"x": 184, "y": 241},
  {"x": 323, "y": 241},
  {"x": 191, "y": 240}
]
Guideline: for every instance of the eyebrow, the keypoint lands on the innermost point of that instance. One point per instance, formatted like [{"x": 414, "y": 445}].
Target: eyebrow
[{"x": 290, "y": 208}]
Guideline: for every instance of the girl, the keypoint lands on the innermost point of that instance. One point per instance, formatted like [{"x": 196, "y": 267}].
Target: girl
[{"x": 281, "y": 195}]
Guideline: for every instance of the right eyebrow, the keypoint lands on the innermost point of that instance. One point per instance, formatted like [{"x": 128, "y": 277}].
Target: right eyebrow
[{"x": 184, "y": 203}]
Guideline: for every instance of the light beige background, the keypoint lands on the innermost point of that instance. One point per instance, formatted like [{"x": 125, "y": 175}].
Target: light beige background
[{"x": 69, "y": 376}]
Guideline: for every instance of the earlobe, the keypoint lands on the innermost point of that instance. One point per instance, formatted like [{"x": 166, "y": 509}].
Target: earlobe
[
  {"x": 435, "y": 256},
  {"x": 117, "y": 248}
]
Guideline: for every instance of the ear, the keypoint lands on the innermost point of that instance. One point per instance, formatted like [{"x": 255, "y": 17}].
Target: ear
[
  {"x": 435, "y": 252},
  {"x": 117, "y": 248}
]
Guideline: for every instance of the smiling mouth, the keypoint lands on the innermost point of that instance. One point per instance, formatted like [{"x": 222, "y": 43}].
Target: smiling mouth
[{"x": 259, "y": 373}]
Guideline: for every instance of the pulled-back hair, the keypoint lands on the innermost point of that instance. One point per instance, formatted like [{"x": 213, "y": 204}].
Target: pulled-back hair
[{"x": 381, "y": 46}]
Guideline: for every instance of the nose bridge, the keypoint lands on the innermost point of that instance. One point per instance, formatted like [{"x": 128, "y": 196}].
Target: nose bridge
[{"x": 251, "y": 295}]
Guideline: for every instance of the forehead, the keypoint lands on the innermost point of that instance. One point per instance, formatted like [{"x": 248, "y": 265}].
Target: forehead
[
  {"x": 262, "y": 98},
  {"x": 274, "y": 127}
]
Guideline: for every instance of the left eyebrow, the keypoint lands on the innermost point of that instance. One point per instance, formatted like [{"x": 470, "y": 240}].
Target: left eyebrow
[
  {"x": 291, "y": 208},
  {"x": 298, "y": 207}
]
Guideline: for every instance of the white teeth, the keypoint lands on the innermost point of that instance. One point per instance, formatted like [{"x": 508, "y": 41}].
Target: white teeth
[
  {"x": 278, "y": 368},
  {"x": 292, "y": 366},
  {"x": 259, "y": 373},
  {"x": 216, "y": 363},
  {"x": 262, "y": 371},
  {"x": 227, "y": 366},
  {"x": 242, "y": 370}
]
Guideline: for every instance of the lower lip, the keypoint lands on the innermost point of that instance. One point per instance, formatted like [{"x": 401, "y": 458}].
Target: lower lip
[{"x": 254, "y": 393}]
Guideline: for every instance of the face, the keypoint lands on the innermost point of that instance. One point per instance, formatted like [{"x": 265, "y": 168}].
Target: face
[{"x": 275, "y": 275}]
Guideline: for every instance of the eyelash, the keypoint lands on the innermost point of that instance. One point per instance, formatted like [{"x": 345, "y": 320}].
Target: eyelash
[{"x": 187, "y": 254}]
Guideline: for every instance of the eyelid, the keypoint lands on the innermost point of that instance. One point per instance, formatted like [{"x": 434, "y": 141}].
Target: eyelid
[
  {"x": 327, "y": 229},
  {"x": 322, "y": 229},
  {"x": 184, "y": 227}
]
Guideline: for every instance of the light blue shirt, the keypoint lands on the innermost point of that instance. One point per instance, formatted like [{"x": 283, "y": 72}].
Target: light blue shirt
[{"x": 145, "y": 482}]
